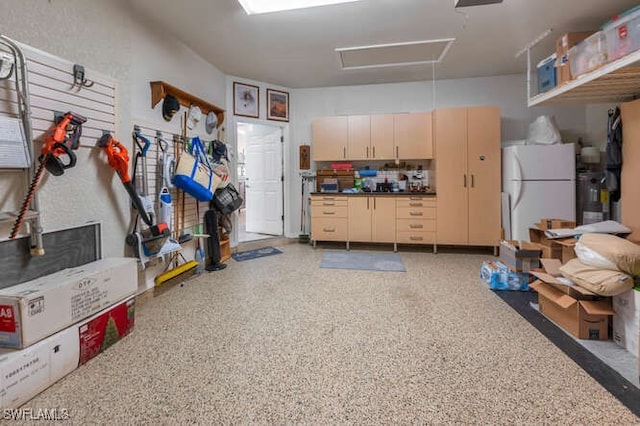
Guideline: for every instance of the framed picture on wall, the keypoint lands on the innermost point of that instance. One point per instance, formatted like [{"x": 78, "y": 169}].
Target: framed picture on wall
[
  {"x": 277, "y": 105},
  {"x": 246, "y": 100}
]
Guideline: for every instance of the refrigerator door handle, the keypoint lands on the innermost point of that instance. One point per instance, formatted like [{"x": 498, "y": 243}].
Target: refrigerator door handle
[
  {"x": 517, "y": 194},
  {"x": 518, "y": 167}
]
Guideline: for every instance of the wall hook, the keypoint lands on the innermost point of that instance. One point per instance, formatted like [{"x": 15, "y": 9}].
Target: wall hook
[{"x": 79, "y": 78}]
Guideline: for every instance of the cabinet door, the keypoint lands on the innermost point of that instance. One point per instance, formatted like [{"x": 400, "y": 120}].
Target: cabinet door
[
  {"x": 629, "y": 194},
  {"x": 414, "y": 135},
  {"x": 360, "y": 218},
  {"x": 382, "y": 134},
  {"x": 484, "y": 173},
  {"x": 451, "y": 176},
  {"x": 359, "y": 137},
  {"x": 383, "y": 219},
  {"x": 330, "y": 137}
]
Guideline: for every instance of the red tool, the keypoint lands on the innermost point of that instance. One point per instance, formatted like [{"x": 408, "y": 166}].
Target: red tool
[
  {"x": 155, "y": 236},
  {"x": 59, "y": 142}
]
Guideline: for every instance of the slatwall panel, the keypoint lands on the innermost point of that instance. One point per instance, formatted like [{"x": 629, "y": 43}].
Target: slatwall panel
[
  {"x": 50, "y": 88},
  {"x": 183, "y": 205}
]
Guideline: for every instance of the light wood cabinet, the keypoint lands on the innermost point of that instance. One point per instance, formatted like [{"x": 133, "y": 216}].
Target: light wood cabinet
[
  {"x": 359, "y": 141},
  {"x": 330, "y": 138},
  {"x": 468, "y": 175},
  {"x": 382, "y": 137},
  {"x": 416, "y": 220},
  {"x": 413, "y": 135},
  {"x": 372, "y": 219},
  {"x": 373, "y": 137},
  {"x": 329, "y": 218},
  {"x": 629, "y": 194}
]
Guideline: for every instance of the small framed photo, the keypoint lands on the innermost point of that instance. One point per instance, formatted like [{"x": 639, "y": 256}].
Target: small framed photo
[
  {"x": 277, "y": 105},
  {"x": 246, "y": 100}
]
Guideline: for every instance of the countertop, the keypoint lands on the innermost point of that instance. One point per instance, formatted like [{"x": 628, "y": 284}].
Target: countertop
[{"x": 383, "y": 194}]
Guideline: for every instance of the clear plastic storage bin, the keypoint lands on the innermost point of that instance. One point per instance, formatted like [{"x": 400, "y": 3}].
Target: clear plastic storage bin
[
  {"x": 623, "y": 34},
  {"x": 588, "y": 55}
]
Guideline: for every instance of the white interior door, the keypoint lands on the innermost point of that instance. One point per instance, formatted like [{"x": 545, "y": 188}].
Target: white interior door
[{"x": 263, "y": 159}]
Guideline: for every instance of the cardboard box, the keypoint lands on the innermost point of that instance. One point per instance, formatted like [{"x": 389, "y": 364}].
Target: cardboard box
[
  {"x": 26, "y": 372},
  {"x": 36, "y": 309},
  {"x": 549, "y": 249},
  {"x": 626, "y": 321},
  {"x": 520, "y": 256},
  {"x": 563, "y": 44},
  {"x": 578, "y": 311},
  {"x": 584, "y": 319},
  {"x": 567, "y": 248},
  {"x": 545, "y": 224}
]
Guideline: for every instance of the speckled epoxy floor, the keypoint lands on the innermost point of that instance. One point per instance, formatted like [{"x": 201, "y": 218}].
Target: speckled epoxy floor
[{"x": 279, "y": 340}]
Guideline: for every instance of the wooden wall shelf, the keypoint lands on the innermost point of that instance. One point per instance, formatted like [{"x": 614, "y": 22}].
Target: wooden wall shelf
[{"x": 159, "y": 89}]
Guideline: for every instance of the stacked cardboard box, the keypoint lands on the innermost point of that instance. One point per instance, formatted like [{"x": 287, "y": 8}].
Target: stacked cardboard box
[
  {"x": 578, "y": 311},
  {"x": 520, "y": 256},
  {"x": 51, "y": 325}
]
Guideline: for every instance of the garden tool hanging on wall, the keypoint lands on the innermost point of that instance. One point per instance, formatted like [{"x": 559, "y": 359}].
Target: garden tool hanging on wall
[
  {"x": 140, "y": 176},
  {"x": 147, "y": 242},
  {"x": 56, "y": 156},
  {"x": 166, "y": 166}
]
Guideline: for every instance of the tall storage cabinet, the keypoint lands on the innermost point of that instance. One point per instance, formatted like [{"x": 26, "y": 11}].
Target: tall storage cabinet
[
  {"x": 468, "y": 168},
  {"x": 629, "y": 194}
]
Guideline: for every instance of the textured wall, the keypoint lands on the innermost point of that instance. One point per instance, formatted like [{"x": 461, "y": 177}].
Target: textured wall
[{"x": 106, "y": 36}]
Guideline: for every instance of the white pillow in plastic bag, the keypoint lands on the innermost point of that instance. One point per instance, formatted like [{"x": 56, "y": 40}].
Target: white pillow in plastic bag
[
  {"x": 543, "y": 131},
  {"x": 592, "y": 258}
]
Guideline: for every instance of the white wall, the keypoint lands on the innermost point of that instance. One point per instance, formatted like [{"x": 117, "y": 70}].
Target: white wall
[
  {"x": 107, "y": 38},
  {"x": 508, "y": 92}
]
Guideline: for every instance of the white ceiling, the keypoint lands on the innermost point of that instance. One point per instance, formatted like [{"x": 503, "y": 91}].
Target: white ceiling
[{"x": 297, "y": 48}]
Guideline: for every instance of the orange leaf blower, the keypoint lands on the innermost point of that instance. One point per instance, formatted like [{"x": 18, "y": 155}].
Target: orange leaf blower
[{"x": 155, "y": 236}]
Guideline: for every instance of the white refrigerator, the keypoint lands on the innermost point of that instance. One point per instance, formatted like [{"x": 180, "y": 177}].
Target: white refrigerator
[{"x": 538, "y": 181}]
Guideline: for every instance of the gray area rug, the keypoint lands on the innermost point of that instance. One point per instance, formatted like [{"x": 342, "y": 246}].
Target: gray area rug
[{"x": 362, "y": 260}]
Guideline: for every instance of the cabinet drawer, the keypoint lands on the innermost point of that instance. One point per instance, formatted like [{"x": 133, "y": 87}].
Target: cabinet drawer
[
  {"x": 405, "y": 237},
  {"x": 328, "y": 201},
  {"x": 417, "y": 201},
  {"x": 415, "y": 225},
  {"x": 416, "y": 213},
  {"x": 329, "y": 211},
  {"x": 323, "y": 229}
]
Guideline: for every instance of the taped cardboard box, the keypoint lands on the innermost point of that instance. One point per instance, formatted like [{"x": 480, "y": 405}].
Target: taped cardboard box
[
  {"x": 31, "y": 311},
  {"x": 24, "y": 373},
  {"x": 545, "y": 224},
  {"x": 578, "y": 311},
  {"x": 520, "y": 256}
]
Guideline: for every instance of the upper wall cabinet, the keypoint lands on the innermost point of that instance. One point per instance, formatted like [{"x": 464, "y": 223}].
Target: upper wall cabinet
[
  {"x": 413, "y": 135},
  {"x": 373, "y": 137},
  {"x": 330, "y": 137}
]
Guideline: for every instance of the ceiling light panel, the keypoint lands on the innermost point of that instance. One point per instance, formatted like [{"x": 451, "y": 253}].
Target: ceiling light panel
[
  {"x": 395, "y": 54},
  {"x": 253, "y": 7}
]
